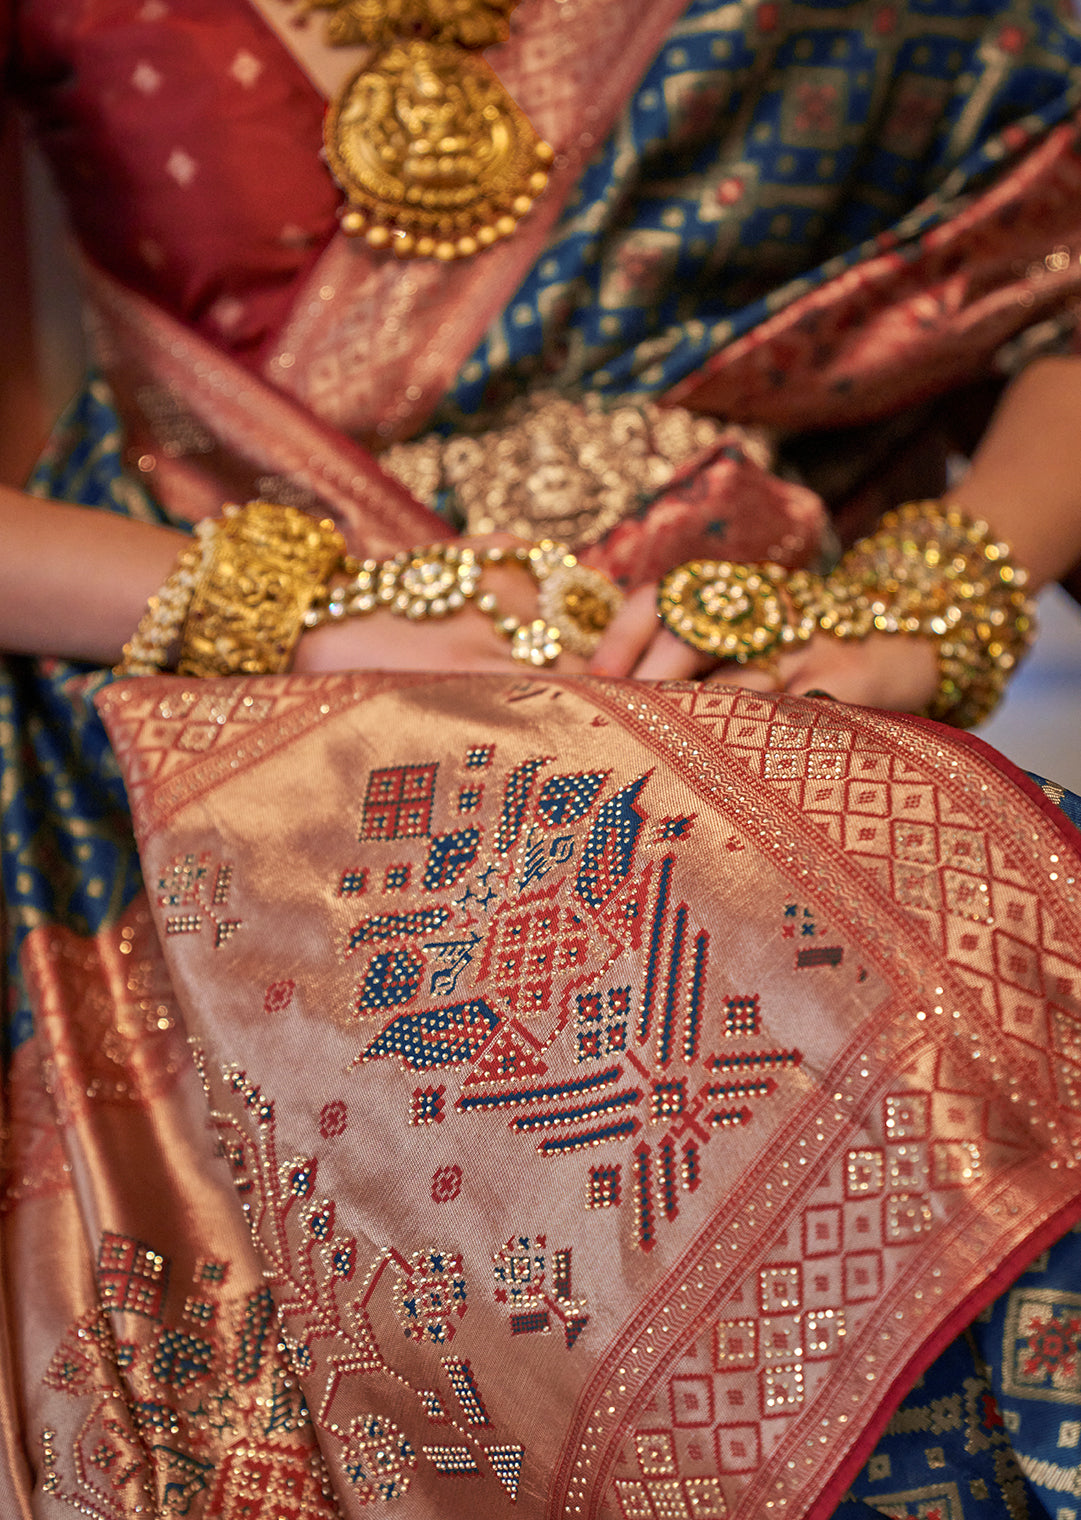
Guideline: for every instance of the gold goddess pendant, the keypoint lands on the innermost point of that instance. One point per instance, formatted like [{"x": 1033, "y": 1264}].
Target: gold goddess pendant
[{"x": 435, "y": 157}]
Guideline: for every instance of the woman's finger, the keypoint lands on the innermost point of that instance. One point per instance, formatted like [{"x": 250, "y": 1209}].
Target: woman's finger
[
  {"x": 749, "y": 677},
  {"x": 668, "y": 659},
  {"x": 627, "y": 636}
]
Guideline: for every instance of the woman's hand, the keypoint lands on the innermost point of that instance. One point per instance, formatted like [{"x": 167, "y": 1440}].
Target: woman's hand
[
  {"x": 637, "y": 644},
  {"x": 885, "y": 670},
  {"x": 463, "y": 642},
  {"x": 892, "y": 671}
]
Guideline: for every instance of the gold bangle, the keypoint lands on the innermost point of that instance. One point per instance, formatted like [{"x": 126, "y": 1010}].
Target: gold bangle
[
  {"x": 268, "y": 563},
  {"x": 575, "y": 603},
  {"x": 928, "y": 571}
]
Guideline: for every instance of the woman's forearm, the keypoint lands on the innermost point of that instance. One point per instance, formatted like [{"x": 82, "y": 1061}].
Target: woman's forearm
[
  {"x": 75, "y": 582},
  {"x": 1025, "y": 477}
]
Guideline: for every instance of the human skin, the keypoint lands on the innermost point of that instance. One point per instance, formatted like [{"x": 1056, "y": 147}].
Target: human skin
[
  {"x": 1024, "y": 480},
  {"x": 75, "y": 582}
]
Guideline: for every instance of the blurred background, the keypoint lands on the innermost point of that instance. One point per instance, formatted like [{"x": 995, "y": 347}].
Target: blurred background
[{"x": 1038, "y": 726}]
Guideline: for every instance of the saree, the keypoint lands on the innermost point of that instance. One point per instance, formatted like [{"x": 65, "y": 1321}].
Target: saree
[
  {"x": 603, "y": 1116},
  {"x": 239, "y": 1298}
]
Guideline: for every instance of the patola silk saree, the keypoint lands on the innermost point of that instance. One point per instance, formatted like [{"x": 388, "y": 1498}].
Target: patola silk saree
[
  {"x": 527, "y": 1096},
  {"x": 534, "y": 1097}
]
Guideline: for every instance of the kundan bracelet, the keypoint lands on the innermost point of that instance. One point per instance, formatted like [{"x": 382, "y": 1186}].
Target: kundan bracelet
[
  {"x": 575, "y": 604},
  {"x": 928, "y": 571}
]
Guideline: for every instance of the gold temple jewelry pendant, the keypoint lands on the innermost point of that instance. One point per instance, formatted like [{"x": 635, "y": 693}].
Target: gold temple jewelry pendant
[{"x": 435, "y": 157}]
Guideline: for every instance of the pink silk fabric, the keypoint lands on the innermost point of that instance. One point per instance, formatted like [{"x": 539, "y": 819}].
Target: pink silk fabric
[{"x": 606, "y": 1118}]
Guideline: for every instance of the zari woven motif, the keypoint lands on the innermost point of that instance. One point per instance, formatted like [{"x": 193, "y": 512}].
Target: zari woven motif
[{"x": 625, "y": 1088}]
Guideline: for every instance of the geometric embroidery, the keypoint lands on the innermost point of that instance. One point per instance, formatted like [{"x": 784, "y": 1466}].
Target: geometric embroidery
[
  {"x": 131, "y": 1276},
  {"x": 604, "y": 1187},
  {"x": 507, "y": 1463},
  {"x": 428, "y": 1105},
  {"x": 460, "y": 1376},
  {"x": 430, "y": 1296},
  {"x": 449, "y": 857},
  {"x": 1041, "y": 1345},
  {"x": 521, "y": 1271},
  {"x": 392, "y": 977},
  {"x": 187, "y": 885},
  {"x": 268, "y": 1479},
  {"x": 380, "y": 1459},
  {"x": 181, "y": 1359},
  {"x": 434, "y": 1036},
  {"x": 398, "y": 802},
  {"x": 600, "y": 1032}
]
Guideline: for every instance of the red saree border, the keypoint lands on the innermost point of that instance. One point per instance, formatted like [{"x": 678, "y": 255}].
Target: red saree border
[
  {"x": 958, "y": 992},
  {"x": 255, "y": 428},
  {"x": 1021, "y": 779},
  {"x": 995, "y": 1283}
]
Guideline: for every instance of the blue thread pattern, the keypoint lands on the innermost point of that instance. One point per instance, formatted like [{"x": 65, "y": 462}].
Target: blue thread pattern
[
  {"x": 602, "y": 1023},
  {"x": 430, "y": 1297},
  {"x": 436, "y": 1036},
  {"x": 393, "y": 977},
  {"x": 517, "y": 1096},
  {"x": 605, "y": 1187},
  {"x": 428, "y": 1105},
  {"x": 461, "y": 1379},
  {"x": 515, "y": 796},
  {"x": 384, "y": 926},
  {"x": 181, "y": 1359},
  {"x": 449, "y": 858},
  {"x": 565, "y": 799},
  {"x": 255, "y": 1331},
  {"x": 609, "y": 849},
  {"x": 742, "y": 1015}
]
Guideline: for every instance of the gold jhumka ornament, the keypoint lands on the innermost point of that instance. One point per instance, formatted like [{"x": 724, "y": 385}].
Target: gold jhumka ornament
[{"x": 434, "y": 156}]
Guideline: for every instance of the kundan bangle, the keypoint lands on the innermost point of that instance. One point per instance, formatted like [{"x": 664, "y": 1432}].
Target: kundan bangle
[
  {"x": 928, "y": 571},
  {"x": 156, "y": 636},
  {"x": 236, "y": 599},
  {"x": 241, "y": 596},
  {"x": 575, "y": 603}
]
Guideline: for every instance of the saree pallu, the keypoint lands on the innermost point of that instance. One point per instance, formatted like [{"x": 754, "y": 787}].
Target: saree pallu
[{"x": 602, "y": 1115}]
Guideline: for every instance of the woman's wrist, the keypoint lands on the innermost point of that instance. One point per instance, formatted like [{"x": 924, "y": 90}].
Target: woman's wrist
[{"x": 74, "y": 581}]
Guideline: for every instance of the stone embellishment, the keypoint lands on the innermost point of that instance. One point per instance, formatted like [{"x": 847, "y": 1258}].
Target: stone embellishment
[
  {"x": 929, "y": 571},
  {"x": 575, "y": 603},
  {"x": 731, "y": 611},
  {"x": 435, "y": 157},
  {"x": 552, "y": 467}
]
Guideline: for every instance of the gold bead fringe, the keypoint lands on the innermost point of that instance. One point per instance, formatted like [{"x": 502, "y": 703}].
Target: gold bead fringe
[{"x": 575, "y": 603}]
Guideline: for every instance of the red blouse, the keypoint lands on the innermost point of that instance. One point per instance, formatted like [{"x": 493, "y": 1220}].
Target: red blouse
[{"x": 185, "y": 141}]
